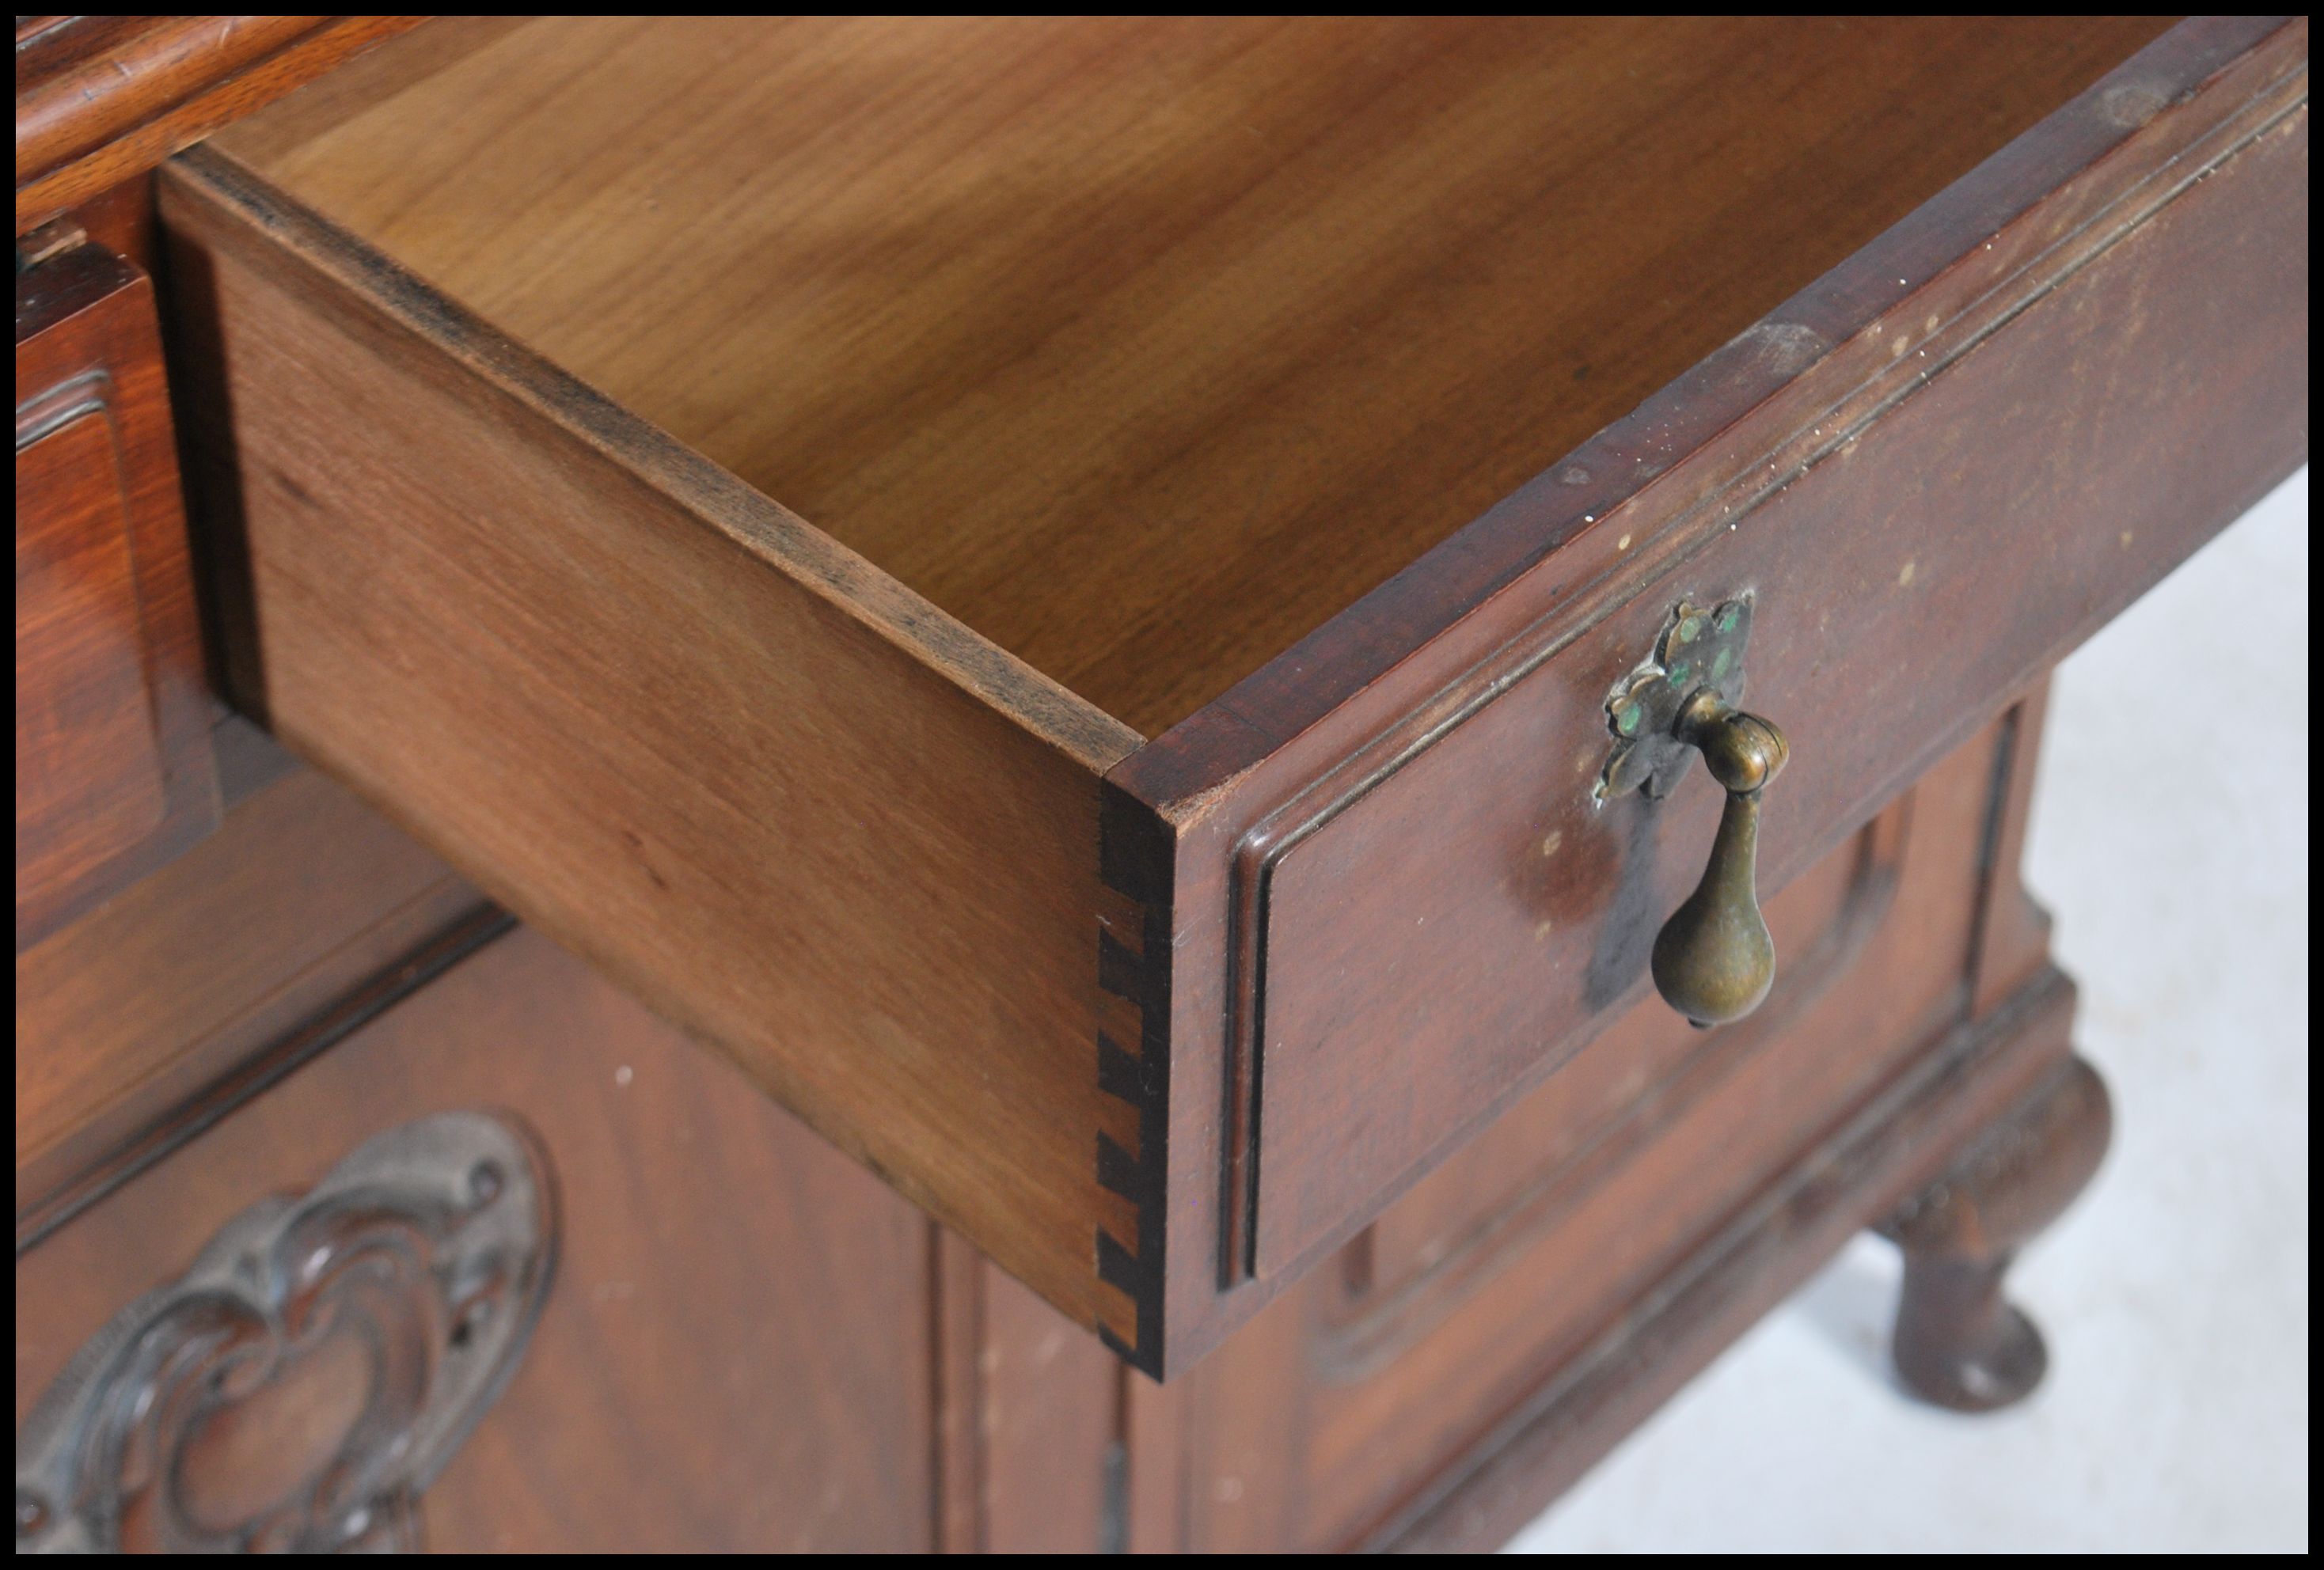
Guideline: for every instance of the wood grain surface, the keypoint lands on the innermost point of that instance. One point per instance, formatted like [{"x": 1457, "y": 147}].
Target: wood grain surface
[
  {"x": 1803, "y": 382},
  {"x": 1145, "y": 347},
  {"x": 1500, "y": 1325},
  {"x": 1027, "y": 1419},
  {"x": 778, "y": 795},
  {"x": 807, "y": 457},
  {"x": 735, "y": 1351},
  {"x": 113, "y": 773},
  {"x": 102, "y": 99},
  {"x": 132, "y": 1021},
  {"x": 2111, "y": 427},
  {"x": 1306, "y": 196},
  {"x": 1935, "y": 482}
]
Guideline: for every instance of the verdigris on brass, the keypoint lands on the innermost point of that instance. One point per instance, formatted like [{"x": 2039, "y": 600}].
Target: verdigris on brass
[{"x": 1714, "y": 960}]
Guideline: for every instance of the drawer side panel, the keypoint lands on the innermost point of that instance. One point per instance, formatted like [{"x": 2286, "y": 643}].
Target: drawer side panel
[{"x": 659, "y": 719}]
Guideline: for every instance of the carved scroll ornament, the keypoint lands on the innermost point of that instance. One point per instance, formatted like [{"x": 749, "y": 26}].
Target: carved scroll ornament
[{"x": 299, "y": 1386}]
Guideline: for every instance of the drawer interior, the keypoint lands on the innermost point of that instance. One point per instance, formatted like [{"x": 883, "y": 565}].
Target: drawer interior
[{"x": 1143, "y": 348}]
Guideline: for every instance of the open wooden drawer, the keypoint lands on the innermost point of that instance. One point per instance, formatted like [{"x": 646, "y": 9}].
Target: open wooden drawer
[{"x": 1051, "y": 588}]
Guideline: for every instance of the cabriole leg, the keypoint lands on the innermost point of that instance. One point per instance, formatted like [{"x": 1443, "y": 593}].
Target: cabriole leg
[{"x": 1959, "y": 1342}]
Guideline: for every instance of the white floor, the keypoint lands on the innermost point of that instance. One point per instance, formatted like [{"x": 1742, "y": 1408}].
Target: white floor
[{"x": 2170, "y": 841}]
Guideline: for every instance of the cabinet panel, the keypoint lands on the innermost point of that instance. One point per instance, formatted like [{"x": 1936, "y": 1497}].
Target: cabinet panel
[
  {"x": 734, "y": 1352},
  {"x": 113, "y": 773}
]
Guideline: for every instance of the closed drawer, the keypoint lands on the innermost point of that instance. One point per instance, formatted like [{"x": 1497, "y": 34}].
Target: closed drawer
[
  {"x": 1050, "y": 588},
  {"x": 114, "y": 772}
]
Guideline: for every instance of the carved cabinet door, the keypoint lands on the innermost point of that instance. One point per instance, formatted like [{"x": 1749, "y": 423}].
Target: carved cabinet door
[{"x": 515, "y": 1267}]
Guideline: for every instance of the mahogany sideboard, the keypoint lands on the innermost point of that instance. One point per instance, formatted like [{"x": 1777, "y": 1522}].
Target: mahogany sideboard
[{"x": 931, "y": 784}]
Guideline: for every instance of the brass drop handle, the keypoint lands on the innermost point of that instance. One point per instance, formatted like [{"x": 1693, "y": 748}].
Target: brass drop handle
[{"x": 1714, "y": 960}]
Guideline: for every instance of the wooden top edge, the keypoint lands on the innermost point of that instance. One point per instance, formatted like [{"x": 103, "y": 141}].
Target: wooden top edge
[
  {"x": 69, "y": 98},
  {"x": 1193, "y": 764},
  {"x": 237, "y": 196},
  {"x": 82, "y": 80},
  {"x": 101, "y": 100}
]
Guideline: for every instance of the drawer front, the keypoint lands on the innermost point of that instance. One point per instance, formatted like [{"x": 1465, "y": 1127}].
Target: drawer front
[
  {"x": 1440, "y": 913},
  {"x": 113, "y": 773},
  {"x": 1549, "y": 1266},
  {"x": 1386, "y": 866},
  {"x": 731, "y": 1350}
]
